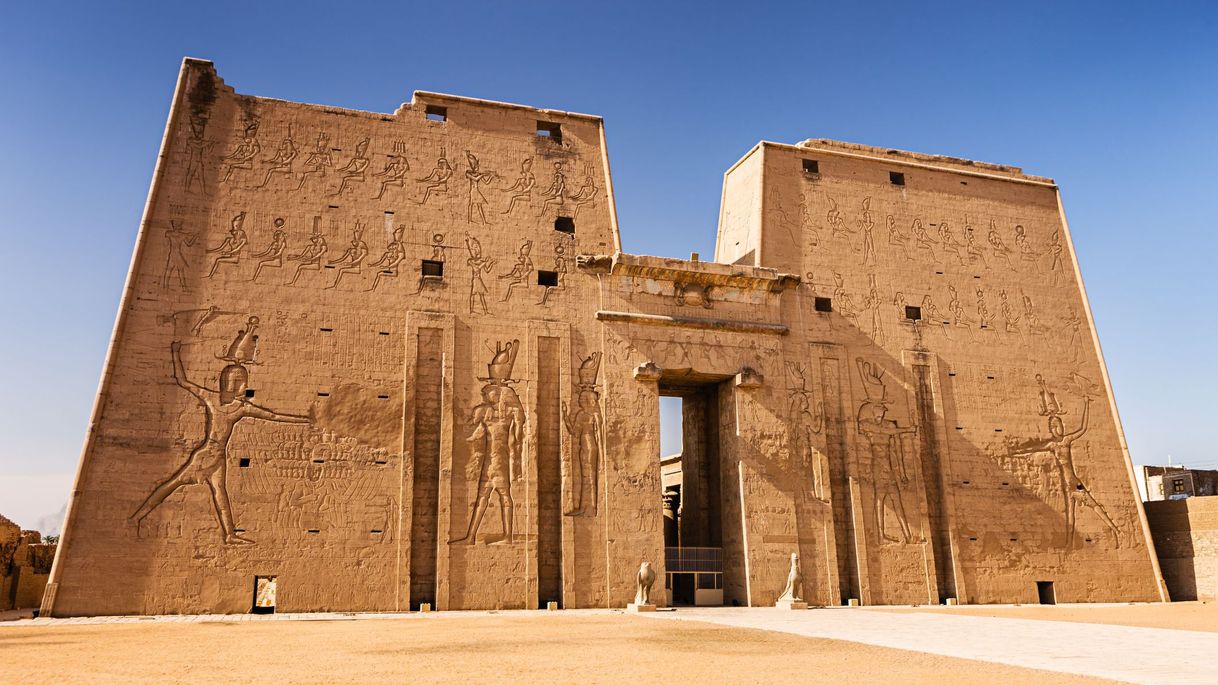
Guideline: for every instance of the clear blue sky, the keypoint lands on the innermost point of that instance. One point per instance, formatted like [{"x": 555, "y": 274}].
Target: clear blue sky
[{"x": 1117, "y": 101}]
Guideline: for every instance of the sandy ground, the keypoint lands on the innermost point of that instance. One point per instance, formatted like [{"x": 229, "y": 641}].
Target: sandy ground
[
  {"x": 548, "y": 648},
  {"x": 1177, "y": 615}
]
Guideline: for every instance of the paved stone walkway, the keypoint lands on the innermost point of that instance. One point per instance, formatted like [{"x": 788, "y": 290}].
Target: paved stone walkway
[{"x": 1136, "y": 655}]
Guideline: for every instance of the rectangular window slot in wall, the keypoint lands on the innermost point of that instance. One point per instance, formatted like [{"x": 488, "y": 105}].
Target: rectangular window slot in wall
[
  {"x": 997, "y": 430},
  {"x": 327, "y": 330},
  {"x": 382, "y": 333},
  {"x": 313, "y": 530},
  {"x": 959, "y": 428},
  {"x": 913, "y": 313},
  {"x": 823, "y": 304},
  {"x": 966, "y": 482},
  {"x": 244, "y": 462},
  {"x": 436, "y": 113},
  {"x": 547, "y": 278},
  {"x": 382, "y": 397},
  {"x": 551, "y": 130},
  {"x": 319, "y": 461},
  {"x": 565, "y": 224},
  {"x": 323, "y": 394},
  {"x": 1006, "y": 484},
  {"x": 951, "y": 373},
  {"x": 433, "y": 269},
  {"x": 381, "y": 462},
  {"x": 377, "y": 531},
  {"x": 971, "y": 539},
  {"x": 811, "y": 166},
  {"x": 896, "y": 178},
  {"x": 249, "y": 392}
]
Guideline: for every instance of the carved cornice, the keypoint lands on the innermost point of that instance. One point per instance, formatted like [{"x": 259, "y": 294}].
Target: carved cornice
[{"x": 685, "y": 271}]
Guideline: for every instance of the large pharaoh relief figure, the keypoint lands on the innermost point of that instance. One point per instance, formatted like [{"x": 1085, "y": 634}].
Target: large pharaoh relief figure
[
  {"x": 223, "y": 408},
  {"x": 890, "y": 459},
  {"x": 496, "y": 443},
  {"x": 585, "y": 426},
  {"x": 1046, "y": 465}
]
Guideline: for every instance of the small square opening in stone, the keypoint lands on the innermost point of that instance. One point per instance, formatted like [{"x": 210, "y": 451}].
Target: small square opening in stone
[
  {"x": 913, "y": 313},
  {"x": 565, "y": 224},
  {"x": 811, "y": 166},
  {"x": 436, "y": 113},
  {"x": 265, "y": 589},
  {"x": 896, "y": 178},
  {"x": 549, "y": 129},
  {"x": 244, "y": 462},
  {"x": 249, "y": 392},
  {"x": 823, "y": 304},
  {"x": 1045, "y": 593},
  {"x": 547, "y": 278},
  {"x": 433, "y": 268}
]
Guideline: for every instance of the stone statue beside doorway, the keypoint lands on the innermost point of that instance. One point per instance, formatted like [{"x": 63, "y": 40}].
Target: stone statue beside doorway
[{"x": 792, "y": 594}]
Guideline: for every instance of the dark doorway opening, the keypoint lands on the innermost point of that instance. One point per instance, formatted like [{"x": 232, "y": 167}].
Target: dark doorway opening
[
  {"x": 1044, "y": 590},
  {"x": 690, "y": 470}
]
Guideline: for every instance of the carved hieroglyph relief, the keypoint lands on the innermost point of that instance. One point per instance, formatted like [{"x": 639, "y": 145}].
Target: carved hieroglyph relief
[
  {"x": 478, "y": 267},
  {"x": 355, "y": 170},
  {"x": 887, "y": 447},
  {"x": 521, "y": 190},
  {"x": 496, "y": 442},
  {"x": 177, "y": 239},
  {"x": 229, "y": 251},
  {"x": 351, "y": 261},
  {"x": 272, "y": 256},
  {"x": 281, "y": 162},
  {"x": 387, "y": 264},
  {"x": 242, "y": 156},
  {"x": 521, "y": 271},
  {"x": 436, "y": 181},
  {"x": 313, "y": 255},
  {"x": 585, "y": 428},
  {"x": 1028, "y": 459},
  {"x": 223, "y": 408},
  {"x": 476, "y": 176},
  {"x": 806, "y": 422}
]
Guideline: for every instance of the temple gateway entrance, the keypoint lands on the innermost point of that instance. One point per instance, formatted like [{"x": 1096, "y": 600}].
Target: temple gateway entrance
[{"x": 693, "y": 506}]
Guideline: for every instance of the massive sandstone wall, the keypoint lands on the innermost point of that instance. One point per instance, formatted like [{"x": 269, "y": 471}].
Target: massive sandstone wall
[
  {"x": 1186, "y": 538},
  {"x": 977, "y": 450},
  {"x": 399, "y": 359},
  {"x": 375, "y": 402}
]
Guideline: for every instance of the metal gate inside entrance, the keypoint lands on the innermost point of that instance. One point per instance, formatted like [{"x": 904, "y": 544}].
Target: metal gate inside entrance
[{"x": 694, "y": 575}]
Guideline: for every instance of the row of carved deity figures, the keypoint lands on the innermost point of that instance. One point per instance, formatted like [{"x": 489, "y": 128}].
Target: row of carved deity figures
[
  {"x": 286, "y": 169},
  {"x": 873, "y": 310},
  {"x": 316, "y": 256},
  {"x": 939, "y": 242}
]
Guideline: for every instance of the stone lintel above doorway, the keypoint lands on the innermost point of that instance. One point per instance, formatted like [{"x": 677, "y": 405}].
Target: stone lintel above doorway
[
  {"x": 687, "y": 271},
  {"x": 694, "y": 322}
]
